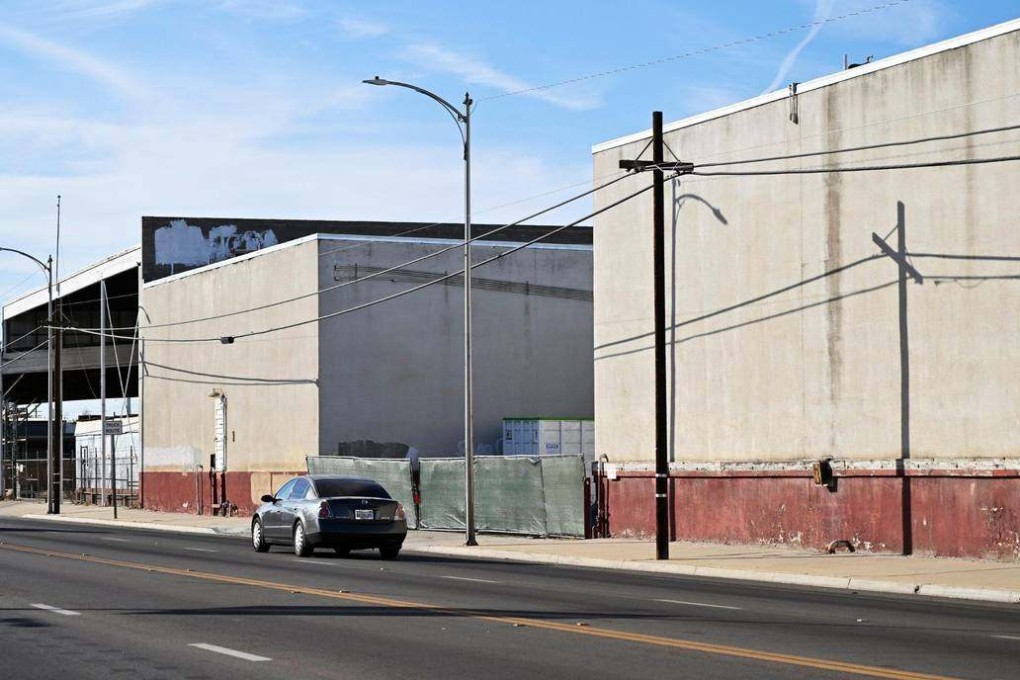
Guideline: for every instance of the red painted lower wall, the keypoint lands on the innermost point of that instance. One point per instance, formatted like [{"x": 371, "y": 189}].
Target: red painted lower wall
[
  {"x": 948, "y": 514},
  {"x": 200, "y": 492}
]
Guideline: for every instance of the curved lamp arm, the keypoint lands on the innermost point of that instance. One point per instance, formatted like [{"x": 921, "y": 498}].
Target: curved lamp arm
[
  {"x": 458, "y": 117},
  {"x": 42, "y": 265}
]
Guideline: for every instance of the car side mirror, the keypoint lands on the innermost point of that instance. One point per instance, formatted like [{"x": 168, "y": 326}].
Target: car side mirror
[{"x": 268, "y": 498}]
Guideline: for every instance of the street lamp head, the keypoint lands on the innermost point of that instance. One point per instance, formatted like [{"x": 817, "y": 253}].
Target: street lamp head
[{"x": 376, "y": 81}]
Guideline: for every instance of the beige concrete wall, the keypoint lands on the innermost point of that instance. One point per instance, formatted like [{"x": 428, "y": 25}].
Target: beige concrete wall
[
  {"x": 270, "y": 381},
  {"x": 815, "y": 371},
  {"x": 394, "y": 372}
]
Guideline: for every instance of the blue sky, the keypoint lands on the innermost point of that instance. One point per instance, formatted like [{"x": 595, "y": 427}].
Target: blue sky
[{"x": 256, "y": 108}]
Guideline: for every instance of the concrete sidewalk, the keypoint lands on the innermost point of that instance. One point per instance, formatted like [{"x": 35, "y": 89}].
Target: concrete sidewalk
[{"x": 982, "y": 580}]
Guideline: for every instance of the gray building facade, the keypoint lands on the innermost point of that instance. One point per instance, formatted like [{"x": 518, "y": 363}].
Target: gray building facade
[{"x": 333, "y": 376}]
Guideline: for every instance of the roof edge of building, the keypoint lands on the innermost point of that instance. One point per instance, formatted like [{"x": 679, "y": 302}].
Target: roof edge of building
[
  {"x": 821, "y": 82},
  {"x": 583, "y": 247},
  {"x": 118, "y": 262}
]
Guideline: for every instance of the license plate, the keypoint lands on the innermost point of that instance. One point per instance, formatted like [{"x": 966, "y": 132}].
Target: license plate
[{"x": 364, "y": 514}]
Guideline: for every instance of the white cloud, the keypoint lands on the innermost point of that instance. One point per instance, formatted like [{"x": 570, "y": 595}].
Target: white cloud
[
  {"x": 912, "y": 23},
  {"x": 360, "y": 28},
  {"x": 477, "y": 72},
  {"x": 67, "y": 59},
  {"x": 219, "y": 166},
  {"x": 98, "y": 9},
  {"x": 823, "y": 10}
]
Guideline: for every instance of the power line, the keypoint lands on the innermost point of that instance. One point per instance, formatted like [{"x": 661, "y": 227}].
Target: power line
[
  {"x": 7, "y": 344},
  {"x": 446, "y": 277},
  {"x": 349, "y": 310},
  {"x": 869, "y": 147},
  {"x": 442, "y": 251},
  {"x": 477, "y": 212},
  {"x": 857, "y": 128},
  {"x": 990, "y": 258},
  {"x": 857, "y": 168},
  {"x": 694, "y": 53},
  {"x": 22, "y": 355}
]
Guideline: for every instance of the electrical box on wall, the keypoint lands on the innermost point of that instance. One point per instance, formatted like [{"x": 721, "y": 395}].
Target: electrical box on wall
[{"x": 823, "y": 475}]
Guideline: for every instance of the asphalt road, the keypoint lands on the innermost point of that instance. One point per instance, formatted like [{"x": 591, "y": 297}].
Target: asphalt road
[{"x": 90, "y": 602}]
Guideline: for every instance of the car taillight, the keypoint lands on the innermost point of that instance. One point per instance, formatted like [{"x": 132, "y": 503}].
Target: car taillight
[
  {"x": 399, "y": 512},
  {"x": 324, "y": 512}
]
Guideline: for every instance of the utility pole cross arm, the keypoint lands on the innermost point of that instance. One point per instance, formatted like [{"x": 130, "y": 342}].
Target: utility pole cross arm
[
  {"x": 679, "y": 167},
  {"x": 898, "y": 258}
]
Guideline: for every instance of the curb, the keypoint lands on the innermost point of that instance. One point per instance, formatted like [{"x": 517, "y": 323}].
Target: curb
[
  {"x": 785, "y": 578},
  {"x": 845, "y": 583},
  {"x": 177, "y": 528}
]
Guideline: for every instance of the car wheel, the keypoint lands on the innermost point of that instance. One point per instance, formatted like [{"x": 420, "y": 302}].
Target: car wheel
[
  {"x": 389, "y": 552},
  {"x": 343, "y": 552},
  {"x": 302, "y": 548},
  {"x": 258, "y": 537}
]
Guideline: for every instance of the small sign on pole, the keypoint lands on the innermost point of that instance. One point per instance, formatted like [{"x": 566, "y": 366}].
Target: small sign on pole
[{"x": 113, "y": 427}]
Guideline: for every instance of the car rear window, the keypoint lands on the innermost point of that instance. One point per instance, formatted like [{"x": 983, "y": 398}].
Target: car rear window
[{"x": 349, "y": 487}]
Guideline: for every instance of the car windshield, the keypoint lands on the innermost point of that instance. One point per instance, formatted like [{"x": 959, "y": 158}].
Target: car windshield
[{"x": 329, "y": 488}]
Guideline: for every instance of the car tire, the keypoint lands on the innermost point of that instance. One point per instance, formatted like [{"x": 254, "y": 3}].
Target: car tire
[
  {"x": 343, "y": 551},
  {"x": 258, "y": 537},
  {"x": 302, "y": 548},
  {"x": 389, "y": 552}
]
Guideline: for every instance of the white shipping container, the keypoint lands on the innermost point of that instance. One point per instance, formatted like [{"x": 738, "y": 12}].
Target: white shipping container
[{"x": 549, "y": 437}]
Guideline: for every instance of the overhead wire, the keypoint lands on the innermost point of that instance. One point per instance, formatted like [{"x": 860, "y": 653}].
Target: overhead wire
[
  {"x": 388, "y": 270},
  {"x": 477, "y": 212},
  {"x": 24, "y": 354},
  {"x": 694, "y": 53},
  {"x": 852, "y": 168},
  {"x": 408, "y": 291},
  {"x": 123, "y": 380},
  {"x": 7, "y": 344},
  {"x": 18, "y": 284},
  {"x": 446, "y": 277},
  {"x": 856, "y": 128},
  {"x": 867, "y": 147}
]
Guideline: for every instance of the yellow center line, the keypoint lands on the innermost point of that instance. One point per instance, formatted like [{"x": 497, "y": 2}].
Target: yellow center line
[{"x": 590, "y": 631}]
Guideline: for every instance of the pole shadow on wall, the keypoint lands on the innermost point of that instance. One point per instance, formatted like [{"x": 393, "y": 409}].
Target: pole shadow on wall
[
  {"x": 899, "y": 255},
  {"x": 678, "y": 201}
]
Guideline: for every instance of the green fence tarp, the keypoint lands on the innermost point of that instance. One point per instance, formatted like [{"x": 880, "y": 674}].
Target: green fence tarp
[
  {"x": 538, "y": 496},
  {"x": 563, "y": 480},
  {"x": 509, "y": 497},
  {"x": 393, "y": 474},
  {"x": 443, "y": 506}
]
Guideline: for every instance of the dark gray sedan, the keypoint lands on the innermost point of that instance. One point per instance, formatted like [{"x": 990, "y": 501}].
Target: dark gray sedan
[{"x": 343, "y": 513}]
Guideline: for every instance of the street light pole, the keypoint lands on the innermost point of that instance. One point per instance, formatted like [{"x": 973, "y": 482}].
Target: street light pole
[
  {"x": 51, "y": 509},
  {"x": 463, "y": 121}
]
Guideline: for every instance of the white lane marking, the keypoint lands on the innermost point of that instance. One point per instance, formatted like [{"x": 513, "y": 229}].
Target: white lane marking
[
  {"x": 229, "y": 652},
  {"x": 698, "y": 604},
  {"x": 465, "y": 578},
  {"x": 1006, "y": 637},
  {"x": 118, "y": 540},
  {"x": 56, "y": 610},
  {"x": 201, "y": 550}
]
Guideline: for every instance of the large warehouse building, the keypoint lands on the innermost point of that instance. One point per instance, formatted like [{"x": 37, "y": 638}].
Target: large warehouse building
[
  {"x": 266, "y": 341},
  {"x": 795, "y": 337},
  {"x": 260, "y": 346}
]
